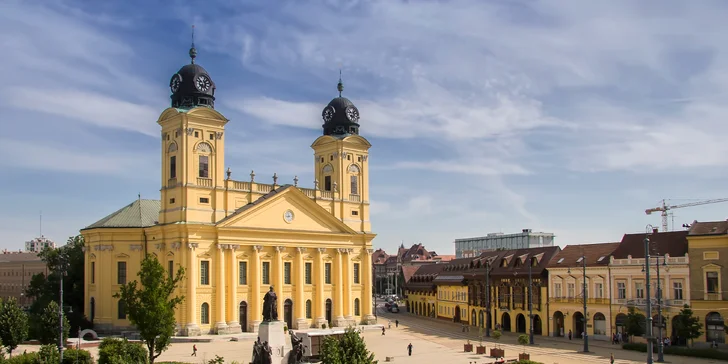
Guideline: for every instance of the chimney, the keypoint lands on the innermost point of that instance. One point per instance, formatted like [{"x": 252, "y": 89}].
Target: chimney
[{"x": 654, "y": 230}]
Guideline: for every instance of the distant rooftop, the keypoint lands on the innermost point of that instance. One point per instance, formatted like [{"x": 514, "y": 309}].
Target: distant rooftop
[{"x": 503, "y": 235}]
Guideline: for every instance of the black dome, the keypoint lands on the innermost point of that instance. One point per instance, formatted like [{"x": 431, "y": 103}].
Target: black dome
[
  {"x": 340, "y": 116},
  {"x": 192, "y": 86}
]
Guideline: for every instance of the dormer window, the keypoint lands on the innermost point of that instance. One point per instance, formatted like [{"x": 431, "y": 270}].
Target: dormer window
[
  {"x": 504, "y": 263},
  {"x": 560, "y": 260},
  {"x": 580, "y": 259},
  {"x": 600, "y": 258}
]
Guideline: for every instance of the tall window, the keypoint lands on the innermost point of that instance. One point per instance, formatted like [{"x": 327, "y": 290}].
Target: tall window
[
  {"x": 308, "y": 273},
  {"x": 173, "y": 167},
  {"x": 93, "y": 272},
  {"x": 356, "y": 273},
  {"x": 121, "y": 306},
  {"x": 621, "y": 290},
  {"x": 677, "y": 292},
  {"x": 711, "y": 281},
  {"x": 121, "y": 272},
  {"x": 170, "y": 268},
  {"x": 205, "y": 314},
  {"x": 327, "y": 273},
  {"x": 205, "y": 272},
  {"x": 308, "y": 309},
  {"x": 356, "y": 307},
  {"x": 557, "y": 290},
  {"x": 570, "y": 290},
  {"x": 639, "y": 290},
  {"x": 287, "y": 273},
  {"x": 204, "y": 166},
  {"x": 327, "y": 183},
  {"x": 266, "y": 272},
  {"x": 242, "y": 273},
  {"x": 354, "y": 185},
  {"x": 598, "y": 290}
]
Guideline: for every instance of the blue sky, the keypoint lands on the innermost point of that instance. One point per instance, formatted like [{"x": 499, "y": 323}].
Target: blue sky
[{"x": 570, "y": 117}]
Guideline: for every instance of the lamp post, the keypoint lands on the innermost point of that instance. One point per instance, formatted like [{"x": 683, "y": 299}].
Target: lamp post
[
  {"x": 530, "y": 302},
  {"x": 61, "y": 273},
  {"x": 648, "y": 334},
  {"x": 661, "y": 344},
  {"x": 586, "y": 337}
]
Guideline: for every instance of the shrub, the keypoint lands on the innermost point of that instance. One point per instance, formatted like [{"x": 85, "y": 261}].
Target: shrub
[
  {"x": 27, "y": 358},
  {"x": 77, "y": 356},
  {"x": 218, "y": 360},
  {"x": 681, "y": 351},
  {"x": 49, "y": 354},
  {"x": 120, "y": 351}
]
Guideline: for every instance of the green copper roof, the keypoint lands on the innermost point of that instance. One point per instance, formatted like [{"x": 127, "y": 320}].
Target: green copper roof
[{"x": 140, "y": 213}]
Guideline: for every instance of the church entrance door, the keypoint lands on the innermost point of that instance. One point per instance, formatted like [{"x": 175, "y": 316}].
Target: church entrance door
[
  {"x": 243, "y": 316},
  {"x": 288, "y": 313},
  {"x": 328, "y": 312}
]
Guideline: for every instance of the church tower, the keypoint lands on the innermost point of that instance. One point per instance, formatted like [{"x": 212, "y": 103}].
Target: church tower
[
  {"x": 193, "y": 149},
  {"x": 341, "y": 163}
]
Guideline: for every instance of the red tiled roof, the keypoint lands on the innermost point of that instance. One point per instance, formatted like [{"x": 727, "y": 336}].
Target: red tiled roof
[
  {"x": 596, "y": 254},
  {"x": 408, "y": 271},
  {"x": 379, "y": 256},
  {"x": 708, "y": 228},
  {"x": 674, "y": 243},
  {"x": 445, "y": 258}
]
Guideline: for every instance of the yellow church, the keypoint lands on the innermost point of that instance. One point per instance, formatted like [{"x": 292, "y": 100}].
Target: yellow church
[{"x": 238, "y": 238}]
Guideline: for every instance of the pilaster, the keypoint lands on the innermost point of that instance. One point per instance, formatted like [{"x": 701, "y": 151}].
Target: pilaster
[
  {"x": 220, "y": 324},
  {"x": 366, "y": 290},
  {"x": 278, "y": 279},
  {"x": 339, "y": 320},
  {"x": 256, "y": 312},
  {"x": 232, "y": 304},
  {"x": 347, "y": 280},
  {"x": 300, "y": 303},
  {"x": 319, "y": 298},
  {"x": 192, "y": 329}
]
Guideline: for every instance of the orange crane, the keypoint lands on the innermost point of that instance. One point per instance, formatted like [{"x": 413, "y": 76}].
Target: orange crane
[{"x": 665, "y": 207}]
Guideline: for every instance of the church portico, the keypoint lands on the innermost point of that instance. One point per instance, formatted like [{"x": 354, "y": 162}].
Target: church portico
[{"x": 237, "y": 239}]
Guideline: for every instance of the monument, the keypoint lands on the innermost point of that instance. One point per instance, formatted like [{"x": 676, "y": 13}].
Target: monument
[{"x": 271, "y": 344}]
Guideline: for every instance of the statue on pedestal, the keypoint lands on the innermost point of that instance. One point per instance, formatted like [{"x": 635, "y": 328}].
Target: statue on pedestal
[
  {"x": 262, "y": 353},
  {"x": 270, "y": 306},
  {"x": 296, "y": 355}
]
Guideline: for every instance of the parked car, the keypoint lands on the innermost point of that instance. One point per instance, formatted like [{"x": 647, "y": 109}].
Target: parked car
[{"x": 394, "y": 308}]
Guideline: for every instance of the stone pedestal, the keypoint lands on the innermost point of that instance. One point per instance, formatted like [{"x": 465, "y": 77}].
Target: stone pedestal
[
  {"x": 301, "y": 324},
  {"x": 369, "y": 320},
  {"x": 192, "y": 330},
  {"x": 253, "y": 325},
  {"x": 234, "y": 327},
  {"x": 272, "y": 332},
  {"x": 221, "y": 328},
  {"x": 320, "y": 321}
]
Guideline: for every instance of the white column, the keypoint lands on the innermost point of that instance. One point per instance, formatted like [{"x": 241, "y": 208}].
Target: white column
[
  {"x": 220, "y": 324},
  {"x": 232, "y": 295},
  {"x": 192, "y": 329}
]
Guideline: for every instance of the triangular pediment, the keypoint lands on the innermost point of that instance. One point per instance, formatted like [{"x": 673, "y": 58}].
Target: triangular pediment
[
  {"x": 711, "y": 266},
  {"x": 286, "y": 208}
]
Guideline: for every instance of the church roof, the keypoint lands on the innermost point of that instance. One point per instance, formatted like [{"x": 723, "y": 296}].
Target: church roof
[
  {"x": 258, "y": 201},
  {"x": 140, "y": 213}
]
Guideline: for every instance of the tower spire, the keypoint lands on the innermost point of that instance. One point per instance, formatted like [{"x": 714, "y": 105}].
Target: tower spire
[
  {"x": 193, "y": 50},
  {"x": 340, "y": 85}
]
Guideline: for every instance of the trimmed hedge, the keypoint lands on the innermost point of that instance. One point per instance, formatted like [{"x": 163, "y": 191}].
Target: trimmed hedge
[
  {"x": 49, "y": 354},
  {"x": 121, "y": 351},
  {"x": 680, "y": 351}
]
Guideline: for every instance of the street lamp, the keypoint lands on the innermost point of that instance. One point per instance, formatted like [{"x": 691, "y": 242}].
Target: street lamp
[
  {"x": 584, "y": 287},
  {"x": 650, "y": 343},
  {"x": 62, "y": 262}
]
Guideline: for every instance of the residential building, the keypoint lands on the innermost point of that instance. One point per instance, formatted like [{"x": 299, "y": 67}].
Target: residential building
[
  {"x": 420, "y": 291},
  {"x": 708, "y": 250},
  {"x": 237, "y": 238},
  {"x": 38, "y": 244},
  {"x": 473, "y": 247},
  {"x": 379, "y": 269},
  {"x": 628, "y": 284},
  {"x": 567, "y": 272},
  {"x": 16, "y": 271}
]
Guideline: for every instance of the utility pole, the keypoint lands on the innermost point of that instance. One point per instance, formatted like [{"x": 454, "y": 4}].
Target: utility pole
[
  {"x": 661, "y": 344},
  {"x": 650, "y": 343}
]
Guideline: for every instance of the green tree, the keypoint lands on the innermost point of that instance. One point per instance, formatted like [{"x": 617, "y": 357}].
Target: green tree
[
  {"x": 44, "y": 289},
  {"x": 150, "y": 305},
  {"x": 687, "y": 325},
  {"x": 349, "y": 349},
  {"x": 13, "y": 324},
  {"x": 46, "y": 325},
  {"x": 635, "y": 325}
]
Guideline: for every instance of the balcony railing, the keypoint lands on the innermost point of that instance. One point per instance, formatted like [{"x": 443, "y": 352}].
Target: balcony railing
[
  {"x": 327, "y": 194},
  {"x": 713, "y": 297},
  {"x": 355, "y": 198},
  {"x": 204, "y": 182}
]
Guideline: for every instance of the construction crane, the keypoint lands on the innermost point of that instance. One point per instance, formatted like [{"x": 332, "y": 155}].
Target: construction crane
[{"x": 665, "y": 207}]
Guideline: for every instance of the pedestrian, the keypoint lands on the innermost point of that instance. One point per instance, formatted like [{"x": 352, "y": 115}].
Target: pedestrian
[
  {"x": 396, "y": 323},
  {"x": 389, "y": 324},
  {"x": 194, "y": 350},
  {"x": 382, "y": 330},
  {"x": 611, "y": 358},
  {"x": 569, "y": 334},
  {"x": 409, "y": 349}
]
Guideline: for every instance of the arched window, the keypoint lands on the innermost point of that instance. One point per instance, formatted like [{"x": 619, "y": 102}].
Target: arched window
[
  {"x": 204, "y": 150},
  {"x": 354, "y": 177},
  {"x": 308, "y": 309},
  {"x": 205, "y": 314},
  {"x": 172, "y": 160},
  {"x": 356, "y": 307},
  {"x": 121, "y": 308},
  {"x": 328, "y": 170}
]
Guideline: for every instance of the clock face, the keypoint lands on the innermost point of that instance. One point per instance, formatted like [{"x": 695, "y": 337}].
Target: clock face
[
  {"x": 288, "y": 216},
  {"x": 328, "y": 114},
  {"x": 175, "y": 82},
  {"x": 203, "y": 83},
  {"x": 352, "y": 114}
]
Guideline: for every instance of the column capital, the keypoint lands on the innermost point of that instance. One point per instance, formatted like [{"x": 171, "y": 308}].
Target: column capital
[
  {"x": 369, "y": 251},
  {"x": 222, "y": 246},
  {"x": 301, "y": 250},
  {"x": 193, "y": 246},
  {"x": 232, "y": 247},
  {"x": 280, "y": 248},
  {"x": 343, "y": 250},
  {"x": 257, "y": 248},
  {"x": 321, "y": 250},
  {"x": 176, "y": 245}
]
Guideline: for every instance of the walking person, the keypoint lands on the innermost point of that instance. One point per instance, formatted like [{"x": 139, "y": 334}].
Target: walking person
[
  {"x": 396, "y": 323},
  {"x": 569, "y": 334},
  {"x": 194, "y": 350},
  {"x": 611, "y": 358},
  {"x": 383, "y": 330},
  {"x": 409, "y": 349}
]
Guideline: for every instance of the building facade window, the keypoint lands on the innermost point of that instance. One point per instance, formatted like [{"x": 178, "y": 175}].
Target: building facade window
[
  {"x": 121, "y": 308},
  {"x": 173, "y": 167},
  {"x": 242, "y": 273},
  {"x": 639, "y": 290},
  {"x": 327, "y": 273},
  {"x": 308, "y": 309},
  {"x": 677, "y": 290},
  {"x": 570, "y": 290},
  {"x": 308, "y": 269},
  {"x": 356, "y": 307},
  {"x": 354, "y": 185},
  {"x": 205, "y": 272},
  {"x": 621, "y": 290},
  {"x": 287, "y": 273},
  {"x": 598, "y": 290},
  {"x": 327, "y": 183},
  {"x": 120, "y": 272},
  {"x": 557, "y": 290},
  {"x": 170, "y": 268},
  {"x": 93, "y": 272},
  {"x": 711, "y": 282},
  {"x": 204, "y": 167},
  {"x": 205, "y": 314},
  {"x": 356, "y": 273},
  {"x": 266, "y": 273}
]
